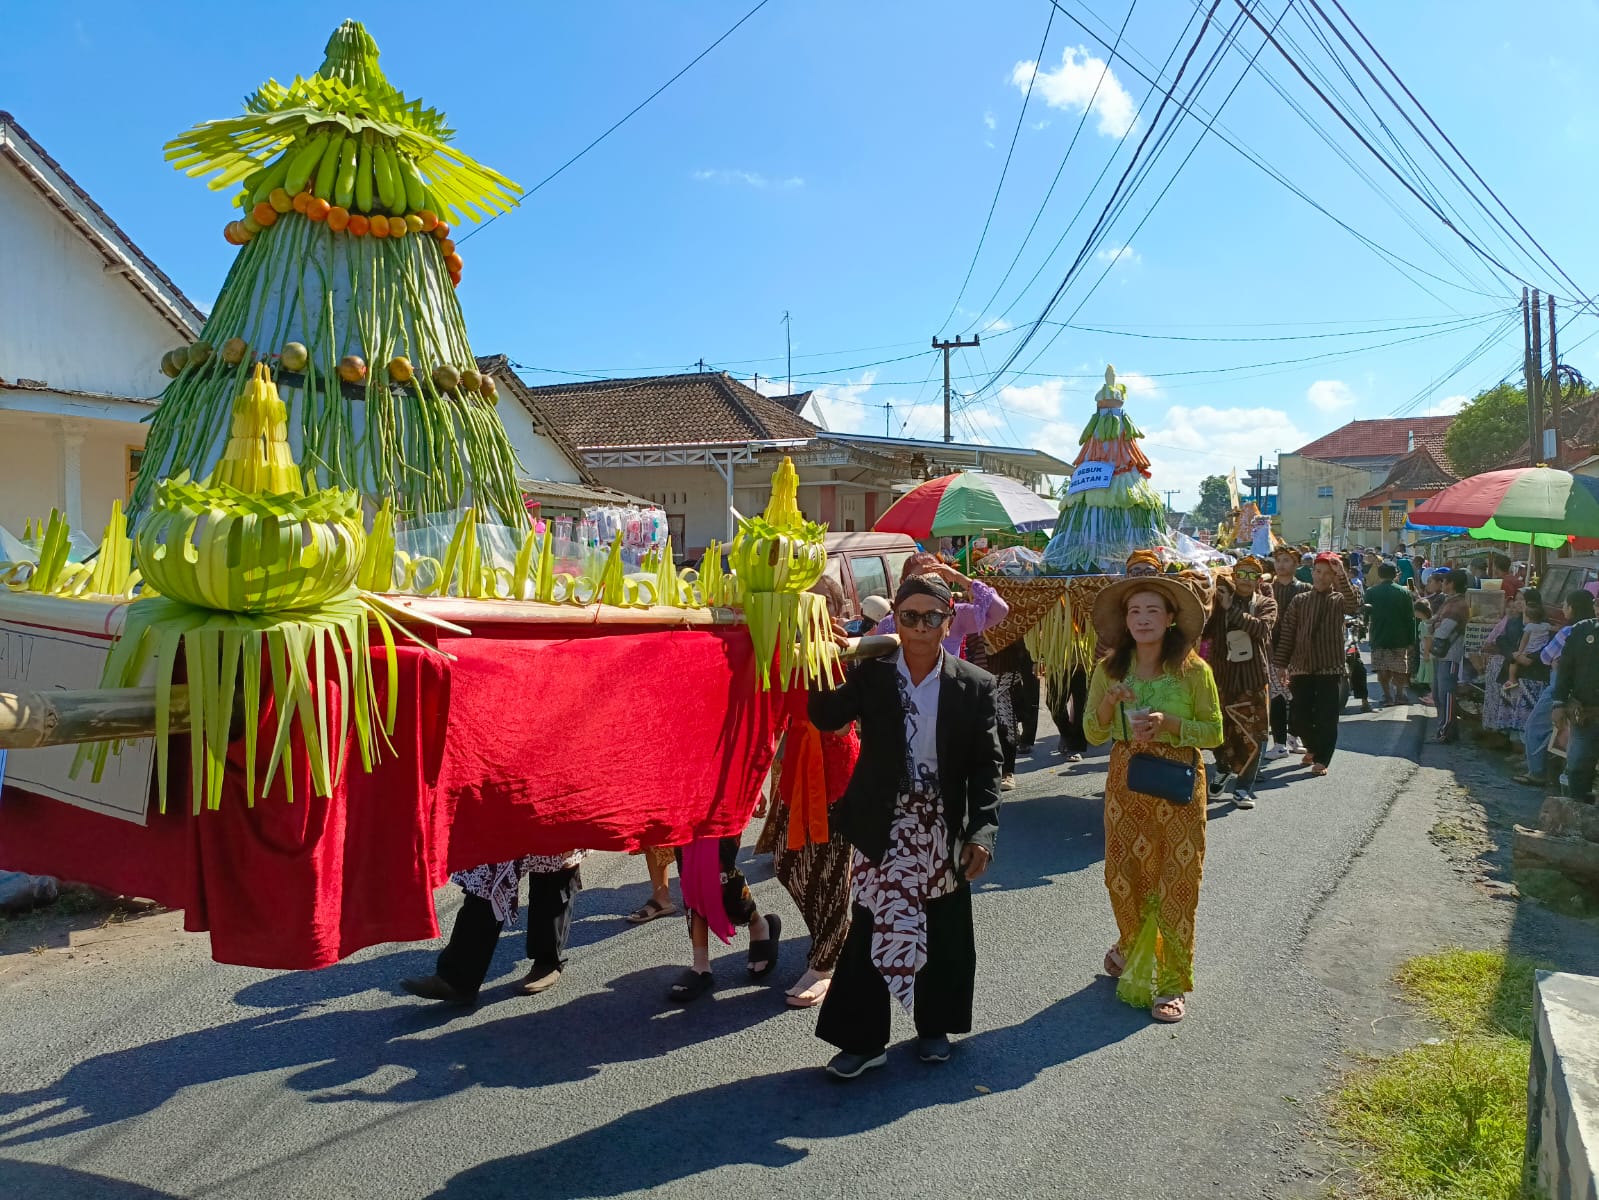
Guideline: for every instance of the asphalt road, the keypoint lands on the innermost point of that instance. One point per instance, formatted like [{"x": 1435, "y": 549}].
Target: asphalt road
[{"x": 145, "y": 1071}]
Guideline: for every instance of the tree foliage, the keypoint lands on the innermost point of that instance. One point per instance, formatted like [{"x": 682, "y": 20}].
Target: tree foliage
[
  {"x": 1215, "y": 502},
  {"x": 1488, "y": 430}
]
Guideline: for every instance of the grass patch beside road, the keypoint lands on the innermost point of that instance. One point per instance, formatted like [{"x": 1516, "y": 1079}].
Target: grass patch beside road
[{"x": 1448, "y": 1121}]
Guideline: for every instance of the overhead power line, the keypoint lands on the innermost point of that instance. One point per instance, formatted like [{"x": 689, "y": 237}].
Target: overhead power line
[
  {"x": 1475, "y": 174},
  {"x": 628, "y": 116},
  {"x": 1077, "y": 133},
  {"x": 1021, "y": 116}
]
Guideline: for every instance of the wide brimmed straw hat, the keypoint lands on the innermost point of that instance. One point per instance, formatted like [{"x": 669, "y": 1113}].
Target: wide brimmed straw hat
[{"x": 1110, "y": 615}]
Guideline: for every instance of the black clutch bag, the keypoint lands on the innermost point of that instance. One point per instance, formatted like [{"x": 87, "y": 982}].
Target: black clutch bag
[{"x": 1164, "y": 778}]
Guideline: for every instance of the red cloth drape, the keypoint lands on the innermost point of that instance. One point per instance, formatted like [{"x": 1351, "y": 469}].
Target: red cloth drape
[{"x": 527, "y": 743}]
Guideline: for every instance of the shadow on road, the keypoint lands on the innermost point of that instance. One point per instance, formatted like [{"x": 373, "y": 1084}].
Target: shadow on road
[
  {"x": 753, "y": 1120},
  {"x": 335, "y": 1051},
  {"x": 41, "y": 1181}
]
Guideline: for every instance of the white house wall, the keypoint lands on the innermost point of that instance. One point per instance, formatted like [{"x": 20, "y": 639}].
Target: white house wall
[
  {"x": 540, "y": 458},
  {"x": 64, "y": 319},
  {"x": 36, "y": 473}
]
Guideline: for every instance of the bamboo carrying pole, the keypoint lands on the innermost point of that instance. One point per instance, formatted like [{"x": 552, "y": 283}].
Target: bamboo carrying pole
[{"x": 30, "y": 720}]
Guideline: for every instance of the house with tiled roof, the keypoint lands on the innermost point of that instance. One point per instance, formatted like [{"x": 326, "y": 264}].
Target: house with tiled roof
[
  {"x": 703, "y": 445},
  {"x": 550, "y": 472},
  {"x": 85, "y": 317},
  {"x": 1330, "y": 477},
  {"x": 1414, "y": 479}
]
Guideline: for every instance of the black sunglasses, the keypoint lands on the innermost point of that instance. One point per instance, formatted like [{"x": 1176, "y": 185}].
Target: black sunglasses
[{"x": 911, "y": 619}]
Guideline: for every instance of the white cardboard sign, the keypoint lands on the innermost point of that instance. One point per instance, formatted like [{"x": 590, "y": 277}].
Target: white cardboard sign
[
  {"x": 39, "y": 659},
  {"x": 1090, "y": 477}
]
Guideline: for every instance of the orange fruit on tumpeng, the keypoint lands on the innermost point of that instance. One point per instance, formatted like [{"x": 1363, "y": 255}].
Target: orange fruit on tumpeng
[
  {"x": 280, "y": 200},
  {"x": 338, "y": 218},
  {"x": 318, "y": 209},
  {"x": 250, "y": 225},
  {"x": 352, "y": 368},
  {"x": 454, "y": 263},
  {"x": 264, "y": 214},
  {"x": 359, "y": 225},
  {"x": 398, "y": 228},
  {"x": 380, "y": 226},
  {"x": 230, "y": 234},
  {"x": 446, "y": 246},
  {"x": 441, "y": 231},
  {"x": 300, "y": 201},
  {"x": 413, "y": 223},
  {"x": 429, "y": 219}
]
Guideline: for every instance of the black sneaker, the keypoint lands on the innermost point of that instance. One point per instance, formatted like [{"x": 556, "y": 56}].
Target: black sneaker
[
  {"x": 933, "y": 1049},
  {"x": 851, "y": 1066}
]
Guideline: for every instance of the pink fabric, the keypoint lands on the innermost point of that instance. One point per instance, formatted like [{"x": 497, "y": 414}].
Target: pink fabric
[{"x": 700, "y": 877}]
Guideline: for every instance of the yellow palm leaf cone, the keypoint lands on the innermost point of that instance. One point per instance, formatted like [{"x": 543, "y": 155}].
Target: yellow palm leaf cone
[{"x": 257, "y": 458}]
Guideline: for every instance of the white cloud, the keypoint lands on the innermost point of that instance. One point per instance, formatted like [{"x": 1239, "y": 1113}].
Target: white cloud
[
  {"x": 1330, "y": 395},
  {"x": 988, "y": 120},
  {"x": 1124, "y": 256},
  {"x": 1139, "y": 386},
  {"x": 1039, "y": 126},
  {"x": 1041, "y": 400},
  {"x": 984, "y": 324},
  {"x": 1448, "y": 406},
  {"x": 752, "y": 179},
  {"x": 1072, "y": 86}
]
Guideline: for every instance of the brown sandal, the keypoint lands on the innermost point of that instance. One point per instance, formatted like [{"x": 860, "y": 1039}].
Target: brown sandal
[
  {"x": 1115, "y": 962},
  {"x": 649, "y": 911},
  {"x": 1168, "y": 1010}
]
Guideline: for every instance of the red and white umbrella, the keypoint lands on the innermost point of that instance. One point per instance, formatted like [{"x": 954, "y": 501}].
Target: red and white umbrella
[{"x": 966, "y": 503}]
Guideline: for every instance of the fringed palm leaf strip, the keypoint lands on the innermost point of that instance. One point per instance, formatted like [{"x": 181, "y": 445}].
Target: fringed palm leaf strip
[{"x": 223, "y": 652}]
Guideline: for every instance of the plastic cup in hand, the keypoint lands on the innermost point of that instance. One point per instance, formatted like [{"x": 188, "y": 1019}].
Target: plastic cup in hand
[{"x": 1140, "y": 720}]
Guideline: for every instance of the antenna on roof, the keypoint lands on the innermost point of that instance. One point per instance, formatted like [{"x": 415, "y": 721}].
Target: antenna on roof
[{"x": 788, "y": 336}]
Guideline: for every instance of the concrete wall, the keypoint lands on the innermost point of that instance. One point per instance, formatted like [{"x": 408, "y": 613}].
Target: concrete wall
[
  {"x": 1563, "y": 1119},
  {"x": 63, "y": 319},
  {"x": 1300, "y": 506}
]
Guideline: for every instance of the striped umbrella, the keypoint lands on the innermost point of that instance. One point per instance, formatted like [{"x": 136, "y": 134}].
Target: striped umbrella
[
  {"x": 966, "y": 503},
  {"x": 1542, "y": 505}
]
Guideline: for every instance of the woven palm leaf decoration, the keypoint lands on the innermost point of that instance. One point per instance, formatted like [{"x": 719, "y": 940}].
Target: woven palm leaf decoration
[{"x": 344, "y": 284}]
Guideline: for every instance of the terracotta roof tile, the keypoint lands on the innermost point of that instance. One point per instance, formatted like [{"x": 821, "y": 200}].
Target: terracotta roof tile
[
  {"x": 667, "y": 410},
  {"x": 1424, "y": 469},
  {"x": 1385, "y": 438}
]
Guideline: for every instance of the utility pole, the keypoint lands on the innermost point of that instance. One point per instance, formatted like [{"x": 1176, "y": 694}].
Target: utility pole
[
  {"x": 1169, "y": 493},
  {"x": 1531, "y": 328},
  {"x": 888, "y": 407},
  {"x": 1535, "y": 381},
  {"x": 1552, "y": 393},
  {"x": 788, "y": 337},
  {"x": 946, "y": 347}
]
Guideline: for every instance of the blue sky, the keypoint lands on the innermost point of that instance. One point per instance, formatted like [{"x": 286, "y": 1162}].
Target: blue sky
[{"x": 836, "y": 160}]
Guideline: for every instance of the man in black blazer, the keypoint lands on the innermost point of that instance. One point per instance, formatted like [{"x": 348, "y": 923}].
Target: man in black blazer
[{"x": 921, "y": 810}]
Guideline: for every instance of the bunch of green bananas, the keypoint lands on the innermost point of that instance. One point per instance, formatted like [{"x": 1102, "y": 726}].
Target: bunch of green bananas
[{"x": 361, "y": 172}]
